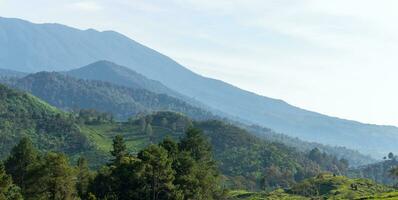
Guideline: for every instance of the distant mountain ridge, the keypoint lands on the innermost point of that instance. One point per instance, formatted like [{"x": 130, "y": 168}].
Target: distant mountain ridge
[
  {"x": 110, "y": 72},
  {"x": 59, "y": 48},
  {"x": 119, "y": 75},
  {"x": 11, "y": 73},
  {"x": 69, "y": 93}
]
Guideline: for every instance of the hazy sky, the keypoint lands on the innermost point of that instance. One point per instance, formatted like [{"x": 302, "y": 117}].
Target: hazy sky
[{"x": 336, "y": 57}]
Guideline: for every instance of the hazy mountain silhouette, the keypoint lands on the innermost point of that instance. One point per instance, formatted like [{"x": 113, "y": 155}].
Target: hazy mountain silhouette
[{"x": 32, "y": 47}]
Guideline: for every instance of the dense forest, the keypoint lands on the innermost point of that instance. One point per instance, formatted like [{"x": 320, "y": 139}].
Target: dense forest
[
  {"x": 90, "y": 133},
  {"x": 88, "y": 154},
  {"x": 168, "y": 170},
  {"x": 70, "y": 94},
  {"x": 73, "y": 94},
  {"x": 354, "y": 157}
]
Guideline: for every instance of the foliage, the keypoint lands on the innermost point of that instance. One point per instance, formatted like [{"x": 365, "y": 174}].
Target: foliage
[
  {"x": 168, "y": 170},
  {"x": 323, "y": 186},
  {"x": 384, "y": 172},
  {"x": 8, "y": 191},
  {"x": 69, "y": 94},
  {"x": 22, "y": 114},
  {"x": 354, "y": 157},
  {"x": 21, "y": 160}
]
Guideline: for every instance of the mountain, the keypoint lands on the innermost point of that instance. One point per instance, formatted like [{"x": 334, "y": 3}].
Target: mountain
[
  {"x": 355, "y": 158},
  {"x": 113, "y": 73},
  {"x": 22, "y": 114},
  {"x": 243, "y": 158},
  {"x": 32, "y": 47},
  {"x": 11, "y": 73},
  {"x": 245, "y": 161},
  {"x": 69, "y": 93},
  {"x": 120, "y": 75}
]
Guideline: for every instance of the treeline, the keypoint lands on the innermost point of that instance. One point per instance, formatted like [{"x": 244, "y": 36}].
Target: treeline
[
  {"x": 354, "y": 157},
  {"x": 385, "y": 172},
  {"x": 22, "y": 114},
  {"x": 168, "y": 170},
  {"x": 69, "y": 93}
]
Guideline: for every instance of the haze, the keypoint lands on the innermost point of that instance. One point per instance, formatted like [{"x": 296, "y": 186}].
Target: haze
[{"x": 333, "y": 57}]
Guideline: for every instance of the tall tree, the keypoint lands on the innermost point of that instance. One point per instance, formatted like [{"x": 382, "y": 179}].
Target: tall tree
[
  {"x": 54, "y": 179},
  {"x": 158, "y": 174},
  {"x": 23, "y": 156},
  {"x": 390, "y": 155},
  {"x": 83, "y": 178},
  {"x": 119, "y": 149},
  {"x": 8, "y": 191},
  {"x": 197, "y": 172},
  {"x": 197, "y": 144},
  {"x": 149, "y": 132}
]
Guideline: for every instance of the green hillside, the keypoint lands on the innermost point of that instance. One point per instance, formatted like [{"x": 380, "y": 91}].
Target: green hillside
[
  {"x": 324, "y": 186},
  {"x": 245, "y": 161},
  {"x": 22, "y": 114},
  {"x": 69, "y": 93}
]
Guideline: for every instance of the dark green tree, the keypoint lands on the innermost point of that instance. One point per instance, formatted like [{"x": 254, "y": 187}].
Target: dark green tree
[
  {"x": 315, "y": 155},
  {"x": 103, "y": 186},
  {"x": 197, "y": 172},
  {"x": 390, "y": 155},
  {"x": 171, "y": 146},
  {"x": 54, "y": 179},
  {"x": 23, "y": 156},
  {"x": 197, "y": 145},
  {"x": 119, "y": 150},
  {"x": 158, "y": 175},
  {"x": 84, "y": 177},
  {"x": 8, "y": 191}
]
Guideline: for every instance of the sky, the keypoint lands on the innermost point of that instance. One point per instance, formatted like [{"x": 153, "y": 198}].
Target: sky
[{"x": 334, "y": 57}]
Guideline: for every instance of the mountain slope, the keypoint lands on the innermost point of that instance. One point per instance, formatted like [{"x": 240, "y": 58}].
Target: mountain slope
[
  {"x": 60, "y": 48},
  {"x": 123, "y": 76},
  {"x": 11, "y": 73},
  {"x": 69, "y": 93},
  {"x": 245, "y": 161},
  {"x": 324, "y": 186},
  {"x": 113, "y": 73},
  {"x": 50, "y": 129},
  {"x": 22, "y": 114}
]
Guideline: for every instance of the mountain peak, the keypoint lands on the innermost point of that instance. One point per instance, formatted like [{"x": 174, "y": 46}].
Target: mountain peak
[
  {"x": 106, "y": 65},
  {"x": 108, "y": 71}
]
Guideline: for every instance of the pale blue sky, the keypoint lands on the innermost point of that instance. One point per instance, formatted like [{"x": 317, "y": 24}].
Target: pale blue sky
[{"x": 335, "y": 57}]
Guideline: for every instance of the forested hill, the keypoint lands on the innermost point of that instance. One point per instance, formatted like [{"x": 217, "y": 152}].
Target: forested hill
[
  {"x": 120, "y": 75},
  {"x": 355, "y": 158},
  {"x": 69, "y": 93},
  {"x": 245, "y": 160},
  {"x": 11, "y": 73},
  {"x": 113, "y": 73},
  {"x": 324, "y": 186},
  {"x": 27, "y": 47},
  {"x": 22, "y": 114}
]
